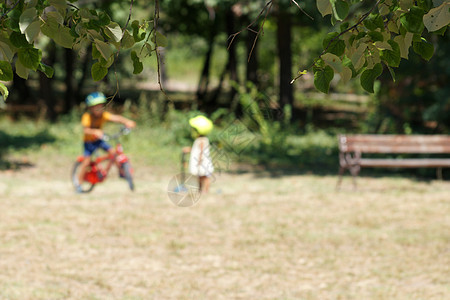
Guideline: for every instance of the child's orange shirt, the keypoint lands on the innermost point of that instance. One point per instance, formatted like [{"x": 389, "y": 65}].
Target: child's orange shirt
[{"x": 88, "y": 121}]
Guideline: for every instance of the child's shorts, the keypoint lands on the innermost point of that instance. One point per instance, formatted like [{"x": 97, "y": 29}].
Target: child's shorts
[{"x": 90, "y": 147}]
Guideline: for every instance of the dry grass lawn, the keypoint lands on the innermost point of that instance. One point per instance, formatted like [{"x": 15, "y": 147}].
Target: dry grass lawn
[{"x": 253, "y": 237}]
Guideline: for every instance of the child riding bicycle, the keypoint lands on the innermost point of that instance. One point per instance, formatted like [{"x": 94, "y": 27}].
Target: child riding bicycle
[{"x": 92, "y": 122}]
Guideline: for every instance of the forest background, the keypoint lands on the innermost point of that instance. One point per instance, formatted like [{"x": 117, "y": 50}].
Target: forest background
[{"x": 223, "y": 57}]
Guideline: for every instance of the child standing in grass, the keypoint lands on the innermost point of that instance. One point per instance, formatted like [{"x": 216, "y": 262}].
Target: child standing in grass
[
  {"x": 200, "y": 163},
  {"x": 93, "y": 121}
]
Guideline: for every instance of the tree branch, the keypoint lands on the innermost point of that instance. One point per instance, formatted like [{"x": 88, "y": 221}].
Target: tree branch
[
  {"x": 129, "y": 15},
  {"x": 158, "y": 55},
  {"x": 6, "y": 13},
  {"x": 302, "y": 10},
  {"x": 267, "y": 8}
]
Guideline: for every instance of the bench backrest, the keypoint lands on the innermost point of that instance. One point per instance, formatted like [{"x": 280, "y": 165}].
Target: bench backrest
[{"x": 377, "y": 143}]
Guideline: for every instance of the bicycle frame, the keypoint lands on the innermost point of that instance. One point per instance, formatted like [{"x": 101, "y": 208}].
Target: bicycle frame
[{"x": 96, "y": 172}]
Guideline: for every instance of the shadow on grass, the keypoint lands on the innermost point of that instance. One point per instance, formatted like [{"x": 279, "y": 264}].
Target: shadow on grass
[
  {"x": 277, "y": 162},
  {"x": 10, "y": 143},
  {"x": 320, "y": 161}
]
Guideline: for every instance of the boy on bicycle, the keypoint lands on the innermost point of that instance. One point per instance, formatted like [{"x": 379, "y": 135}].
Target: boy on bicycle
[{"x": 93, "y": 121}]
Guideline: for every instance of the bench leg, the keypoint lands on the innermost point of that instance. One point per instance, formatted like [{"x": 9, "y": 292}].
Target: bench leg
[
  {"x": 354, "y": 170},
  {"x": 340, "y": 175},
  {"x": 439, "y": 174}
]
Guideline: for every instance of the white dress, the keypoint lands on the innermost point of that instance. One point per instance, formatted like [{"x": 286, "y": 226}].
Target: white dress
[{"x": 200, "y": 163}]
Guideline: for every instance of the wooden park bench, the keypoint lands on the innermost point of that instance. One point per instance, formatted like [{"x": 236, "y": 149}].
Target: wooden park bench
[{"x": 352, "y": 147}]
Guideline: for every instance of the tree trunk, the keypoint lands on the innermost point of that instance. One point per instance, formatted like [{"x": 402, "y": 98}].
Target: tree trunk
[
  {"x": 252, "y": 56},
  {"x": 203, "y": 83},
  {"x": 86, "y": 60},
  {"x": 69, "y": 99},
  {"x": 231, "y": 66},
  {"x": 19, "y": 94},
  {"x": 46, "y": 90},
  {"x": 285, "y": 58}
]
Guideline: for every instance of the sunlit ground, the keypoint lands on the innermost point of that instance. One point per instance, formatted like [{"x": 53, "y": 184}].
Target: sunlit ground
[{"x": 253, "y": 237}]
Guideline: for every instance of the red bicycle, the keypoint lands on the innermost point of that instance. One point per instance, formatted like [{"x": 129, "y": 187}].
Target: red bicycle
[{"x": 99, "y": 167}]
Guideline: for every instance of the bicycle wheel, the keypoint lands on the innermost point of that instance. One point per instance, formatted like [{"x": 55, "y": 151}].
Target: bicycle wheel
[
  {"x": 127, "y": 173},
  {"x": 86, "y": 186}
]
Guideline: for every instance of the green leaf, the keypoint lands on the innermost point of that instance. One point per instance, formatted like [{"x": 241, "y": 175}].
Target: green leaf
[
  {"x": 360, "y": 35},
  {"x": 85, "y": 14},
  {"x": 26, "y": 18},
  {"x": 31, "y": 3},
  {"x": 344, "y": 26},
  {"x": 333, "y": 61},
  {"x": 33, "y": 31},
  {"x": 340, "y": 9},
  {"x": 438, "y": 17},
  {"x": 98, "y": 72},
  {"x": 30, "y": 57},
  {"x": 424, "y": 49},
  {"x": 127, "y": 40},
  {"x": 438, "y": 2},
  {"x": 404, "y": 42},
  {"x": 392, "y": 73},
  {"x": 426, "y": 5},
  {"x": 417, "y": 37},
  {"x": 391, "y": 57},
  {"x": 104, "y": 19},
  {"x": 13, "y": 20},
  {"x": 55, "y": 16},
  {"x": 50, "y": 26},
  {"x": 146, "y": 50},
  {"x": 336, "y": 47},
  {"x": 106, "y": 63},
  {"x": 4, "y": 91},
  {"x": 358, "y": 58},
  {"x": 6, "y": 71},
  {"x": 412, "y": 20},
  {"x": 6, "y": 51},
  {"x": 404, "y": 4},
  {"x": 63, "y": 37},
  {"x": 114, "y": 31},
  {"x": 346, "y": 74},
  {"x": 104, "y": 49},
  {"x": 347, "y": 62},
  {"x": 18, "y": 40},
  {"x": 324, "y": 7},
  {"x": 322, "y": 78},
  {"x": 441, "y": 31},
  {"x": 95, "y": 53},
  {"x": 21, "y": 71},
  {"x": 74, "y": 31},
  {"x": 375, "y": 36},
  {"x": 137, "y": 34},
  {"x": 160, "y": 40},
  {"x": 138, "y": 67},
  {"x": 59, "y": 4},
  {"x": 373, "y": 22},
  {"x": 369, "y": 76},
  {"x": 383, "y": 45},
  {"x": 392, "y": 26},
  {"x": 47, "y": 70}
]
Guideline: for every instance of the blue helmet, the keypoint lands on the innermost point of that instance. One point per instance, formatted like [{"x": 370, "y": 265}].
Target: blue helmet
[{"x": 95, "y": 98}]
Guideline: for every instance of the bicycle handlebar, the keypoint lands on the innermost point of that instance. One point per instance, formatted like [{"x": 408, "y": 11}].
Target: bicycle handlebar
[{"x": 123, "y": 131}]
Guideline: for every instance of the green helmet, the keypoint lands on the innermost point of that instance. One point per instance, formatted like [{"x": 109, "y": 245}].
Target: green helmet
[
  {"x": 202, "y": 124},
  {"x": 95, "y": 98}
]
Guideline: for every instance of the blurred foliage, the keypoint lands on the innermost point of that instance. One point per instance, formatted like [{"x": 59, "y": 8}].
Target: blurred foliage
[{"x": 419, "y": 100}]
